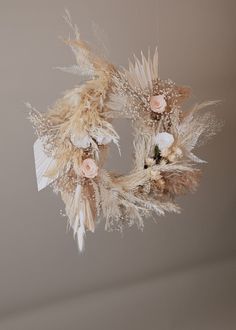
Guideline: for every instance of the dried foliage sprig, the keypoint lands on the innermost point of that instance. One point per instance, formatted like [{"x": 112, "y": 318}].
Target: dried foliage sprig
[{"x": 74, "y": 135}]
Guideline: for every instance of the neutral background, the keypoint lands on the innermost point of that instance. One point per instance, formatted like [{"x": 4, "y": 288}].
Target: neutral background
[{"x": 179, "y": 274}]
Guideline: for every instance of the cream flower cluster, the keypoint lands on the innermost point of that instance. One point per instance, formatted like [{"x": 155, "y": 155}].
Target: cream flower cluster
[
  {"x": 165, "y": 142},
  {"x": 84, "y": 141}
]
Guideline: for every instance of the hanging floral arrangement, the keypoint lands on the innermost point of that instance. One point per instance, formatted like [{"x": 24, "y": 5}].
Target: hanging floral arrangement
[{"x": 74, "y": 137}]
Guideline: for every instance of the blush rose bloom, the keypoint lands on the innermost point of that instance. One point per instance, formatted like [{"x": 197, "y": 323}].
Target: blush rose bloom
[
  {"x": 158, "y": 103},
  {"x": 89, "y": 168}
]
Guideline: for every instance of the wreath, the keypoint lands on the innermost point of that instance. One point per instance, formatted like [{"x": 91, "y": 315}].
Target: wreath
[{"x": 75, "y": 133}]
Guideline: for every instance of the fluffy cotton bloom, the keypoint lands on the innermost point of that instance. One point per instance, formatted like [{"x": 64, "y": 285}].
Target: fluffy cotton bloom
[
  {"x": 81, "y": 141},
  {"x": 103, "y": 139},
  {"x": 164, "y": 140},
  {"x": 158, "y": 103},
  {"x": 175, "y": 155},
  {"x": 89, "y": 168},
  {"x": 150, "y": 161},
  {"x": 155, "y": 174}
]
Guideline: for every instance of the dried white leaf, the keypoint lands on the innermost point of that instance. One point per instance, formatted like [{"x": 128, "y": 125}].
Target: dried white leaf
[{"x": 42, "y": 164}]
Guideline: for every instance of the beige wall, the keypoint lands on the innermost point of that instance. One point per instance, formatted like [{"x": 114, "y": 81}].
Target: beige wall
[{"x": 182, "y": 263}]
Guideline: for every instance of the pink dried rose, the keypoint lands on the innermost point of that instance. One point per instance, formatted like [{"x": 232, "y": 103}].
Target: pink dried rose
[
  {"x": 89, "y": 168},
  {"x": 158, "y": 103}
]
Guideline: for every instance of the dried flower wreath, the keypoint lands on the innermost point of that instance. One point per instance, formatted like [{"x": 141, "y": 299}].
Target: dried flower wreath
[{"x": 73, "y": 139}]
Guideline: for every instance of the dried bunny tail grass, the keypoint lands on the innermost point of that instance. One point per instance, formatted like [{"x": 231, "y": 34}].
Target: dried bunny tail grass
[
  {"x": 178, "y": 184},
  {"x": 132, "y": 181},
  {"x": 196, "y": 128},
  {"x": 177, "y": 167},
  {"x": 121, "y": 203},
  {"x": 78, "y": 113},
  {"x": 73, "y": 203},
  {"x": 212, "y": 126},
  {"x": 81, "y": 50},
  {"x": 88, "y": 63},
  {"x": 80, "y": 211},
  {"x": 142, "y": 144},
  {"x": 68, "y": 20},
  {"x": 39, "y": 121},
  {"x": 188, "y": 115},
  {"x": 86, "y": 74}
]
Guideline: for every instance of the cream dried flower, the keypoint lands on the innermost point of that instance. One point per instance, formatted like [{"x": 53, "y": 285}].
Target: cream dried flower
[
  {"x": 150, "y": 162},
  {"x": 175, "y": 155},
  {"x": 164, "y": 141},
  {"x": 155, "y": 174},
  {"x": 103, "y": 139},
  {"x": 83, "y": 141}
]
